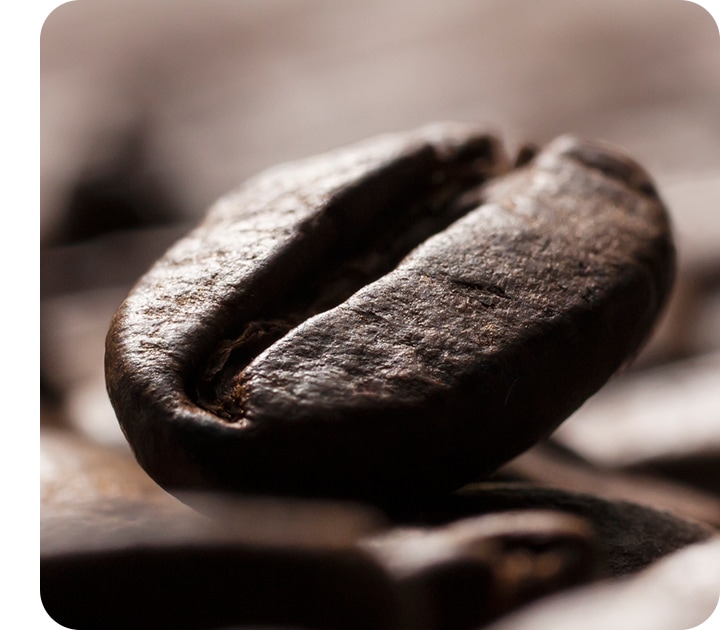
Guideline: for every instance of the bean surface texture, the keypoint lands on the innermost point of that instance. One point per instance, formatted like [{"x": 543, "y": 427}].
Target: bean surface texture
[{"x": 399, "y": 317}]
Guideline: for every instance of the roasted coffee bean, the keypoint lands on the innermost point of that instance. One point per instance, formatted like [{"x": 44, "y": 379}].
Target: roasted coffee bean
[
  {"x": 466, "y": 573},
  {"x": 395, "y": 318},
  {"x": 75, "y": 469},
  {"x": 675, "y": 593},
  {"x": 549, "y": 464},
  {"x": 127, "y": 564},
  {"x": 664, "y": 421},
  {"x": 629, "y": 536}
]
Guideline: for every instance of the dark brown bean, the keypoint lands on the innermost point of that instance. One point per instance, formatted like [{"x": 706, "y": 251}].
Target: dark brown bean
[
  {"x": 675, "y": 593},
  {"x": 629, "y": 536},
  {"x": 123, "y": 564},
  {"x": 394, "y": 318},
  {"x": 466, "y": 573},
  {"x": 117, "y": 551},
  {"x": 551, "y": 465}
]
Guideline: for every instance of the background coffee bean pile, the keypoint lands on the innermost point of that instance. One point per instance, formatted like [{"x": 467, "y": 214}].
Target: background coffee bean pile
[{"x": 150, "y": 113}]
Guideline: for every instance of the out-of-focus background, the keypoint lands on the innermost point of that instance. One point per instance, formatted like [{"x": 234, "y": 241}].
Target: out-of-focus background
[{"x": 151, "y": 110}]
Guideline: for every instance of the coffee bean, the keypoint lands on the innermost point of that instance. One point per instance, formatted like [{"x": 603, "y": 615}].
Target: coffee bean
[
  {"x": 128, "y": 564},
  {"x": 679, "y": 591},
  {"x": 550, "y": 464},
  {"x": 395, "y": 318},
  {"x": 629, "y": 536},
  {"x": 466, "y": 573}
]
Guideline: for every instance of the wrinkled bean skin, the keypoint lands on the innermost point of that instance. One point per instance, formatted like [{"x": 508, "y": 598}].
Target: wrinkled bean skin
[{"x": 395, "y": 318}]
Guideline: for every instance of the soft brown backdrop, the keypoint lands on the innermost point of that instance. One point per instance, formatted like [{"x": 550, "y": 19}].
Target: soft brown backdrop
[{"x": 151, "y": 110}]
